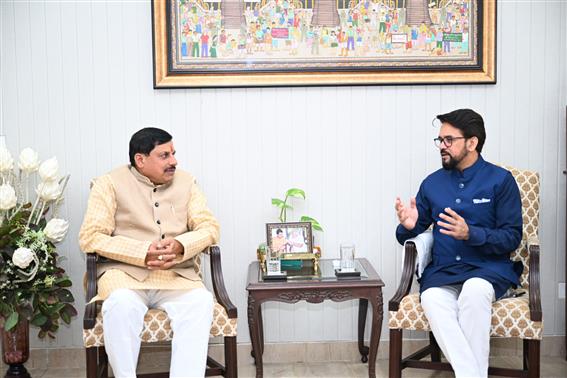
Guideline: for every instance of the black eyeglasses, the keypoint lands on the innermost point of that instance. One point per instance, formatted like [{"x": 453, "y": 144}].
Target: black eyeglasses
[{"x": 447, "y": 141}]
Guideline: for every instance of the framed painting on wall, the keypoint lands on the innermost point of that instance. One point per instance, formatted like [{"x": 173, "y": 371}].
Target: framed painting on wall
[{"x": 232, "y": 43}]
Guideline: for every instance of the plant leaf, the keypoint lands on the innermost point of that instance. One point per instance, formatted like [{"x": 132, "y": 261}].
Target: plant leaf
[
  {"x": 281, "y": 204},
  {"x": 314, "y": 223},
  {"x": 65, "y": 295},
  {"x": 51, "y": 310},
  {"x": 43, "y": 297},
  {"x": 65, "y": 317},
  {"x": 52, "y": 300},
  {"x": 295, "y": 192},
  {"x": 69, "y": 310},
  {"x": 39, "y": 320},
  {"x": 4, "y": 309},
  {"x": 317, "y": 226},
  {"x": 63, "y": 282},
  {"x": 56, "y": 308},
  {"x": 11, "y": 321}
]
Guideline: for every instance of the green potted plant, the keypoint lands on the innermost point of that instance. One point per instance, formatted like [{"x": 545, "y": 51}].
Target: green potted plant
[{"x": 284, "y": 205}]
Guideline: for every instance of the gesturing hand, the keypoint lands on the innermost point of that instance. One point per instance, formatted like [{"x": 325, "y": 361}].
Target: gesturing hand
[
  {"x": 454, "y": 225},
  {"x": 407, "y": 215}
]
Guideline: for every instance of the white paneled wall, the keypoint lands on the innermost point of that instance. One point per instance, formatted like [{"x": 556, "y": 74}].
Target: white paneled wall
[{"x": 76, "y": 80}]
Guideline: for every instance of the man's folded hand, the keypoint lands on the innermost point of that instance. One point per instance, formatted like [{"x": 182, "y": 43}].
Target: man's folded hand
[{"x": 162, "y": 254}]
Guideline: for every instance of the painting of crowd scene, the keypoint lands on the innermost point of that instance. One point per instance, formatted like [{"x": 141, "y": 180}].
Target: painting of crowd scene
[{"x": 322, "y": 30}]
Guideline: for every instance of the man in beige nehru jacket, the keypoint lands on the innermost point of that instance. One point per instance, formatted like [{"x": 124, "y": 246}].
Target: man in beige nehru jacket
[{"x": 149, "y": 219}]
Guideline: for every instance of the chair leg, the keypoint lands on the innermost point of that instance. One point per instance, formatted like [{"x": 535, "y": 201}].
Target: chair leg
[
  {"x": 533, "y": 357},
  {"x": 435, "y": 350},
  {"x": 525, "y": 354},
  {"x": 230, "y": 359},
  {"x": 395, "y": 353},
  {"x": 92, "y": 362},
  {"x": 103, "y": 362}
]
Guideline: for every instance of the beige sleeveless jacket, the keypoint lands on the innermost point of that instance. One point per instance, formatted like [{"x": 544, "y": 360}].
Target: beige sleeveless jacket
[{"x": 126, "y": 212}]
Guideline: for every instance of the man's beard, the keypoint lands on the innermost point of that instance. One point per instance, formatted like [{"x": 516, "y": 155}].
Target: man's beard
[{"x": 453, "y": 161}]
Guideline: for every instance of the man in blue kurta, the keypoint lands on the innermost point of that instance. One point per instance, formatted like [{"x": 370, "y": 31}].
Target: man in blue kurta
[{"x": 475, "y": 209}]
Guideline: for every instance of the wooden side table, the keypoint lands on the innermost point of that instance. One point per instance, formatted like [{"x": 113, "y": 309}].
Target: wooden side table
[{"x": 367, "y": 288}]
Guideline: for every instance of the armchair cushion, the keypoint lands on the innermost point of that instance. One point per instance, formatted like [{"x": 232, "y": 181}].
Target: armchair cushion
[
  {"x": 156, "y": 327},
  {"x": 528, "y": 183},
  {"x": 510, "y": 318}
]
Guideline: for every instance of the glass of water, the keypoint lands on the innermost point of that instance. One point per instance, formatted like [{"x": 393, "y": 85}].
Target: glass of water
[{"x": 347, "y": 257}]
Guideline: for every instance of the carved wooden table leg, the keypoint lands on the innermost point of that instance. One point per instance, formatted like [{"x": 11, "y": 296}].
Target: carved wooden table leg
[
  {"x": 377, "y": 317},
  {"x": 253, "y": 325},
  {"x": 362, "y": 310},
  {"x": 261, "y": 329}
]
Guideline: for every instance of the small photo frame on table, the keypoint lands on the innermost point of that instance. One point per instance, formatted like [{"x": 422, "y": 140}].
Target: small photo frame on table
[{"x": 292, "y": 240}]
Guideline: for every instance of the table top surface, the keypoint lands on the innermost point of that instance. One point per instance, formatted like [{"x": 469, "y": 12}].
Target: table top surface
[{"x": 325, "y": 277}]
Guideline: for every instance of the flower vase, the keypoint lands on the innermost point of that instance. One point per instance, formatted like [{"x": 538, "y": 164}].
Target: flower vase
[{"x": 16, "y": 349}]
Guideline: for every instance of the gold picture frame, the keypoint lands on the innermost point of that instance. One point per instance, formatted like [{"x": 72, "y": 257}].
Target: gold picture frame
[
  {"x": 247, "y": 59},
  {"x": 293, "y": 240}
]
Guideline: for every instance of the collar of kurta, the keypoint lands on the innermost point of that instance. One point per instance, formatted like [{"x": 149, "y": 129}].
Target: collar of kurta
[
  {"x": 146, "y": 181},
  {"x": 470, "y": 171}
]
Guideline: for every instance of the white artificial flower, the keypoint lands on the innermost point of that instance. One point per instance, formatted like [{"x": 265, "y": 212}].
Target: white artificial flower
[
  {"x": 29, "y": 161},
  {"x": 6, "y": 161},
  {"x": 48, "y": 169},
  {"x": 48, "y": 190},
  {"x": 8, "y": 197},
  {"x": 56, "y": 229},
  {"x": 22, "y": 257}
]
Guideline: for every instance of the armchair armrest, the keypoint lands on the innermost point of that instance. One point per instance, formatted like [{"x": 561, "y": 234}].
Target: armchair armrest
[
  {"x": 219, "y": 288},
  {"x": 218, "y": 282},
  {"x": 407, "y": 276},
  {"x": 534, "y": 279},
  {"x": 89, "y": 318}
]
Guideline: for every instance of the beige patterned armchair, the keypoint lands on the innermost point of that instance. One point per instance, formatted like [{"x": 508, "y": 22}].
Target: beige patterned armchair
[
  {"x": 156, "y": 323},
  {"x": 518, "y": 317}
]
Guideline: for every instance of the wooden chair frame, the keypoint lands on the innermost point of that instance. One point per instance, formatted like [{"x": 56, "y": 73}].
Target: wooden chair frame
[
  {"x": 531, "y": 348},
  {"x": 97, "y": 360}
]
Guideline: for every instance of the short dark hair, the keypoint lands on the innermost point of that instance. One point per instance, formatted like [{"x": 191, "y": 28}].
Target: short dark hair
[
  {"x": 469, "y": 122},
  {"x": 279, "y": 231},
  {"x": 145, "y": 140}
]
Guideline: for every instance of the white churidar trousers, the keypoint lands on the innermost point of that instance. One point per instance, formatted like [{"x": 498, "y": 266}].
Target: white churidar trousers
[
  {"x": 460, "y": 316},
  {"x": 190, "y": 314}
]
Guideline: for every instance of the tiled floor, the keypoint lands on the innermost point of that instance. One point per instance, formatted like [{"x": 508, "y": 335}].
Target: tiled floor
[{"x": 550, "y": 367}]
